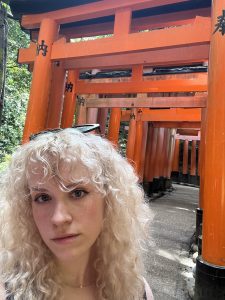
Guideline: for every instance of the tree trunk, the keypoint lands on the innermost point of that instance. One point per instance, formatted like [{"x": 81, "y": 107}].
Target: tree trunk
[{"x": 3, "y": 50}]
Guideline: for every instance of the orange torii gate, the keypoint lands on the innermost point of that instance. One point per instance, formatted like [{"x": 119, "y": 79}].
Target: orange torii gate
[
  {"x": 188, "y": 172},
  {"x": 162, "y": 45},
  {"x": 136, "y": 143}
]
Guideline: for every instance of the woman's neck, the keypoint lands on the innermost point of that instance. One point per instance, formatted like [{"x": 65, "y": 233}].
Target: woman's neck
[{"x": 78, "y": 273}]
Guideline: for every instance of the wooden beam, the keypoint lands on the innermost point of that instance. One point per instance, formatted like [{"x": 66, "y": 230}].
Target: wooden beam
[
  {"x": 188, "y": 132},
  {"x": 122, "y": 22},
  {"x": 91, "y": 11},
  {"x": 138, "y": 24},
  {"x": 188, "y": 137},
  {"x": 198, "y": 33},
  {"x": 181, "y": 124},
  {"x": 174, "y": 56},
  {"x": 168, "y": 115},
  {"x": 198, "y": 84},
  {"x": 27, "y": 55},
  {"x": 173, "y": 114},
  {"x": 154, "y": 102}
]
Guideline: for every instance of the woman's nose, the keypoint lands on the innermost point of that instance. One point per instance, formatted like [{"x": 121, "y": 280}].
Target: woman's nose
[{"x": 61, "y": 214}]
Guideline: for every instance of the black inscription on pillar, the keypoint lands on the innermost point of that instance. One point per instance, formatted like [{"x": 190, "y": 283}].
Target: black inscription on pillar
[
  {"x": 42, "y": 47},
  {"x": 81, "y": 100},
  {"x": 220, "y": 25},
  {"x": 132, "y": 116},
  {"x": 69, "y": 87}
]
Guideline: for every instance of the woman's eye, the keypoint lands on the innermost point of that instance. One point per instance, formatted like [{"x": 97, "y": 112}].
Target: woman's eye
[
  {"x": 78, "y": 193},
  {"x": 42, "y": 198}
]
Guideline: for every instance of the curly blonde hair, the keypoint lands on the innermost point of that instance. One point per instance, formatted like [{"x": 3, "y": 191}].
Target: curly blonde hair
[{"x": 26, "y": 264}]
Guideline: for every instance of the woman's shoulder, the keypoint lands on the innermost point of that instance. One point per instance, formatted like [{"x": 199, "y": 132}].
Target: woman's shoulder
[{"x": 148, "y": 291}]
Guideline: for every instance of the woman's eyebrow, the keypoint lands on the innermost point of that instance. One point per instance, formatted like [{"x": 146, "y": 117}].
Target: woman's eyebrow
[
  {"x": 34, "y": 188},
  {"x": 74, "y": 185}
]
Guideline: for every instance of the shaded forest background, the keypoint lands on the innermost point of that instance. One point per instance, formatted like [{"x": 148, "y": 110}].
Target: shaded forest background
[{"x": 17, "y": 85}]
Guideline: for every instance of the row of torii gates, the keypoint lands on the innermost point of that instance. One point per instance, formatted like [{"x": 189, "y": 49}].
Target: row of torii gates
[{"x": 140, "y": 34}]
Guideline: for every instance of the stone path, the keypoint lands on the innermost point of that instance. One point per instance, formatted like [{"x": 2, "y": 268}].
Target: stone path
[{"x": 168, "y": 263}]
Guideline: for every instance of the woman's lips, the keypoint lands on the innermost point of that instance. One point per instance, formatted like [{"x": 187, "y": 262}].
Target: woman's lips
[{"x": 66, "y": 239}]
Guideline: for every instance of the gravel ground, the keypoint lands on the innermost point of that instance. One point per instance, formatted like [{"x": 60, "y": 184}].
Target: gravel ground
[{"x": 168, "y": 263}]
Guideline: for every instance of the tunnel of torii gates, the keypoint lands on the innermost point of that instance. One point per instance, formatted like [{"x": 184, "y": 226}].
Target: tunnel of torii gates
[{"x": 140, "y": 36}]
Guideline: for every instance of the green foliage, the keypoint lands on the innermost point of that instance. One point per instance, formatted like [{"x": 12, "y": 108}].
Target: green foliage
[
  {"x": 123, "y": 138},
  {"x": 5, "y": 162},
  {"x": 16, "y": 92}
]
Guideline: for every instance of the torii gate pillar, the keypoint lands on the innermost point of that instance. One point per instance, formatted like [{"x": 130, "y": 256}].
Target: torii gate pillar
[
  {"x": 210, "y": 268},
  {"x": 41, "y": 81}
]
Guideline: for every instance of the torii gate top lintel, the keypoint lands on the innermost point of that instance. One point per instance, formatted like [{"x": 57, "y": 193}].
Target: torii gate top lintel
[{"x": 70, "y": 11}]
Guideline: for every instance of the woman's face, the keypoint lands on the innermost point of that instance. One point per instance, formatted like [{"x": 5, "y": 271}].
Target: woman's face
[{"x": 68, "y": 222}]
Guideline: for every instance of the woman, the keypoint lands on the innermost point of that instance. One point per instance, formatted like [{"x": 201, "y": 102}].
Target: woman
[{"x": 71, "y": 218}]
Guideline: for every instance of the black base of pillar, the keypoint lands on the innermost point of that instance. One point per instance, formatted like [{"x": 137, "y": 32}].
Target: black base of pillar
[
  {"x": 185, "y": 179},
  {"x": 194, "y": 180},
  {"x": 157, "y": 185},
  {"x": 209, "y": 281},
  {"x": 200, "y": 245},
  {"x": 146, "y": 187},
  {"x": 150, "y": 188},
  {"x": 154, "y": 186},
  {"x": 168, "y": 183},
  {"x": 199, "y": 218},
  {"x": 162, "y": 184},
  {"x": 175, "y": 176}
]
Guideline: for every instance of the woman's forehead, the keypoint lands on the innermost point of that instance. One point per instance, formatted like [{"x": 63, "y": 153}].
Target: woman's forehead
[{"x": 39, "y": 173}]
